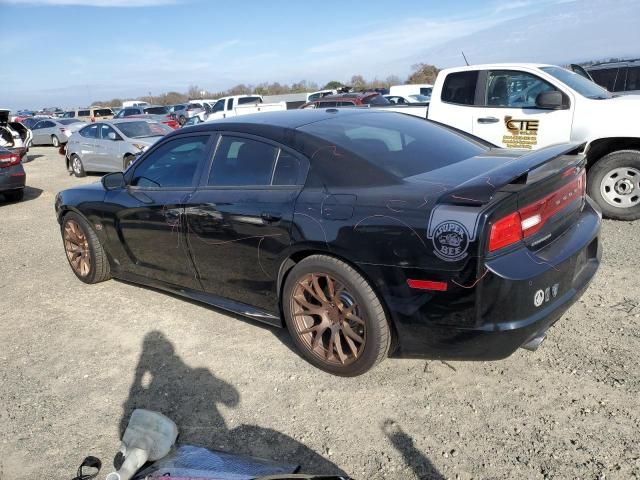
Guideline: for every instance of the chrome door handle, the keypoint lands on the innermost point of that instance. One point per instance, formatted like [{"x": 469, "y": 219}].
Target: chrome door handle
[{"x": 488, "y": 120}]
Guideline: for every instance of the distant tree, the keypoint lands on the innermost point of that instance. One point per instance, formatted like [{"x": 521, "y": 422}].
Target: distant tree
[
  {"x": 423, "y": 73},
  {"x": 194, "y": 92},
  {"x": 333, "y": 85},
  {"x": 358, "y": 82},
  {"x": 393, "y": 80}
]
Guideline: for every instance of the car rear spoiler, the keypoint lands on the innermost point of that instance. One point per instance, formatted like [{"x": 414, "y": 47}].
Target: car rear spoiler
[{"x": 514, "y": 174}]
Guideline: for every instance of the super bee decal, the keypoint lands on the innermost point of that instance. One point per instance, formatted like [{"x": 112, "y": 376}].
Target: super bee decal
[
  {"x": 451, "y": 238},
  {"x": 521, "y": 133}
]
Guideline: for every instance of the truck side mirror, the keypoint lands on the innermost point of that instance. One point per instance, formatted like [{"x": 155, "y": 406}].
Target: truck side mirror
[{"x": 552, "y": 100}]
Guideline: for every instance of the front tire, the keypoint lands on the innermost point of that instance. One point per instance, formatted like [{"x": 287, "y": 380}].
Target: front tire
[
  {"x": 84, "y": 251},
  {"x": 182, "y": 120},
  {"x": 54, "y": 141},
  {"x": 336, "y": 320},
  {"x": 614, "y": 183},
  {"x": 76, "y": 166}
]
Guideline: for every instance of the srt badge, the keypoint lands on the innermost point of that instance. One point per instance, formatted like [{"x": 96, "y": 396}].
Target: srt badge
[{"x": 450, "y": 241}]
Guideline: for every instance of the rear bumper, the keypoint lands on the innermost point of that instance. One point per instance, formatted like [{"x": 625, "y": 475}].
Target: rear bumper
[
  {"x": 505, "y": 314},
  {"x": 12, "y": 178}
]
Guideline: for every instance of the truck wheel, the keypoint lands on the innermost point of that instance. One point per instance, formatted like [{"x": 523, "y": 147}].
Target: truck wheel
[{"x": 614, "y": 183}]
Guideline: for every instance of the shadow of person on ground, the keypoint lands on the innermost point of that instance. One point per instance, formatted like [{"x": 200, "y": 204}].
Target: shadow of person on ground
[
  {"x": 403, "y": 443},
  {"x": 191, "y": 398}
]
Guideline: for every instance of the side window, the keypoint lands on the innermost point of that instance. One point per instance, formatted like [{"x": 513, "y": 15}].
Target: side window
[
  {"x": 288, "y": 170},
  {"x": 172, "y": 165},
  {"x": 460, "y": 88},
  {"x": 38, "y": 126},
  {"x": 48, "y": 124},
  {"x": 633, "y": 79},
  {"x": 90, "y": 132},
  {"x": 105, "y": 130},
  {"x": 242, "y": 162},
  {"x": 346, "y": 104},
  {"x": 514, "y": 89},
  {"x": 130, "y": 111},
  {"x": 426, "y": 91},
  {"x": 230, "y": 104},
  {"x": 219, "y": 106},
  {"x": 327, "y": 104},
  {"x": 84, "y": 113}
]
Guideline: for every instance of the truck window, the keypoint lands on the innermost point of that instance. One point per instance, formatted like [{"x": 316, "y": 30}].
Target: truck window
[
  {"x": 605, "y": 77},
  {"x": 219, "y": 106},
  {"x": 633, "y": 79},
  {"x": 513, "y": 89},
  {"x": 230, "y": 104},
  {"x": 245, "y": 100},
  {"x": 578, "y": 83},
  {"x": 460, "y": 88},
  {"x": 426, "y": 91}
]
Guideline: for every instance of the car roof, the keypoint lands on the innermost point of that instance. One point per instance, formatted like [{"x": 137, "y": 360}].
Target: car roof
[
  {"x": 618, "y": 64},
  {"x": 288, "y": 119},
  {"x": 497, "y": 66}
]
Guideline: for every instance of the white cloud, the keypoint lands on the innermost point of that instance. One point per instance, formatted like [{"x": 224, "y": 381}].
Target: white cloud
[{"x": 92, "y": 3}]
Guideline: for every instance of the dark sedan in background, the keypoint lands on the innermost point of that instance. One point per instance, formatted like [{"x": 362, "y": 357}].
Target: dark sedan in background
[
  {"x": 12, "y": 175},
  {"x": 365, "y": 233}
]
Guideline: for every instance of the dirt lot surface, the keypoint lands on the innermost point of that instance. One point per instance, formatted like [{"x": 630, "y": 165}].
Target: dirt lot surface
[{"x": 75, "y": 359}]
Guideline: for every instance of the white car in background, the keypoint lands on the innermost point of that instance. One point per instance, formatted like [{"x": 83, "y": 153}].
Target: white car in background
[
  {"x": 402, "y": 100},
  {"x": 13, "y": 135},
  {"x": 424, "y": 89}
]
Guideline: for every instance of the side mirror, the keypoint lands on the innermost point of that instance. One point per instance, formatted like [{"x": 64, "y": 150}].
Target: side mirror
[
  {"x": 112, "y": 136},
  {"x": 552, "y": 100},
  {"x": 113, "y": 181}
]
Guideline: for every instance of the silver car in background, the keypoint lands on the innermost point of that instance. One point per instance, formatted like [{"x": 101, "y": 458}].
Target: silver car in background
[
  {"x": 111, "y": 146},
  {"x": 55, "y": 131}
]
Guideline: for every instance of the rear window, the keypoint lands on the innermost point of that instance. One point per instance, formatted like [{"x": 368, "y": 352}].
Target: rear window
[
  {"x": 460, "y": 88},
  {"x": 398, "y": 145},
  {"x": 376, "y": 100},
  {"x": 245, "y": 100},
  {"x": 143, "y": 129},
  {"x": 156, "y": 110},
  {"x": 102, "y": 112}
]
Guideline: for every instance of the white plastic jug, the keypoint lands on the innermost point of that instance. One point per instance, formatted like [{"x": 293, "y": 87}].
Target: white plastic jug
[{"x": 149, "y": 436}]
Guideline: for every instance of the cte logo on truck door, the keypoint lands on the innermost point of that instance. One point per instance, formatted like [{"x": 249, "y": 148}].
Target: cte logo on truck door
[{"x": 522, "y": 133}]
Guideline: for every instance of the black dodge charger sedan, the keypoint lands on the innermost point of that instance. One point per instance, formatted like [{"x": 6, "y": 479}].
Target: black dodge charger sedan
[{"x": 367, "y": 234}]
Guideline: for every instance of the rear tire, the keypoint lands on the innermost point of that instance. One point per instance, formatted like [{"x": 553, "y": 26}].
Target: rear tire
[
  {"x": 76, "y": 166},
  {"x": 54, "y": 141},
  {"x": 14, "y": 195},
  {"x": 346, "y": 331},
  {"x": 84, "y": 251},
  {"x": 182, "y": 120},
  {"x": 614, "y": 183}
]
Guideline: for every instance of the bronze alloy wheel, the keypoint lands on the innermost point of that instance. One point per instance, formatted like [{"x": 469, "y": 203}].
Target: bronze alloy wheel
[
  {"x": 77, "y": 248},
  {"x": 327, "y": 319}
]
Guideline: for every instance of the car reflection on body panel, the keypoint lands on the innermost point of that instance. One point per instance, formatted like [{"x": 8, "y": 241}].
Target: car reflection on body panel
[{"x": 111, "y": 146}]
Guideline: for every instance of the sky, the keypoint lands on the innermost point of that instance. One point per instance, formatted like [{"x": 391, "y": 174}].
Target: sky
[{"x": 68, "y": 53}]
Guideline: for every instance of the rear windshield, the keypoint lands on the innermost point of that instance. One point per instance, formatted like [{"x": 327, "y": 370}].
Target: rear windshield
[
  {"x": 156, "y": 110},
  {"x": 143, "y": 129},
  {"x": 376, "y": 100},
  {"x": 400, "y": 145},
  {"x": 66, "y": 121}
]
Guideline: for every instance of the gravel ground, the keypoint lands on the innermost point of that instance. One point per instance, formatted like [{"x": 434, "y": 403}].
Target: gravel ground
[{"x": 75, "y": 359}]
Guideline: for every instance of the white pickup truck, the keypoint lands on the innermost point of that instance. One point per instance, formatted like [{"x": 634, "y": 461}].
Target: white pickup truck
[
  {"x": 529, "y": 106},
  {"x": 242, "y": 105}
]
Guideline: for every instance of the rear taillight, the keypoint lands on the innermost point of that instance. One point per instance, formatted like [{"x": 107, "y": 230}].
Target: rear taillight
[
  {"x": 530, "y": 219},
  {"x": 9, "y": 159}
]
